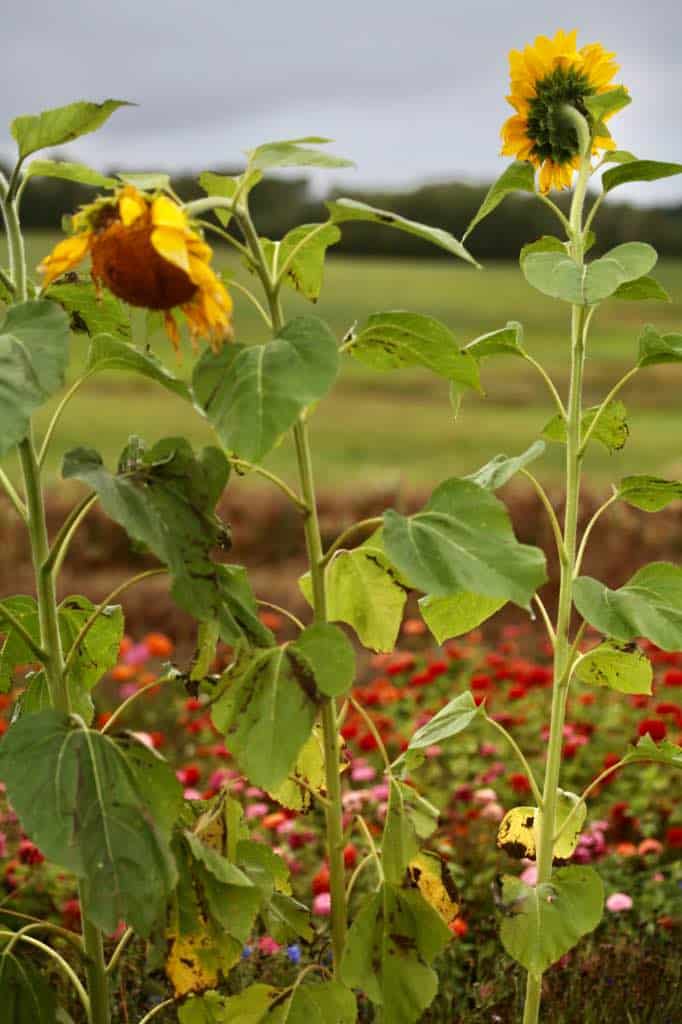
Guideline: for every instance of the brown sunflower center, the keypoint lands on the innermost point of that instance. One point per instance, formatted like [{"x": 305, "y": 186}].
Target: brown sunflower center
[{"x": 125, "y": 260}]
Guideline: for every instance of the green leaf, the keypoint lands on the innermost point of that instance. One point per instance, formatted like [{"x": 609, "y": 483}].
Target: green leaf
[
  {"x": 638, "y": 170},
  {"x": 310, "y": 242},
  {"x": 146, "y": 181},
  {"x": 642, "y": 289},
  {"x": 230, "y": 896},
  {"x": 15, "y": 651},
  {"x": 330, "y": 654},
  {"x": 107, "y": 353},
  {"x": 26, "y": 995},
  {"x": 393, "y": 939},
  {"x": 463, "y": 540},
  {"x": 89, "y": 311},
  {"x": 611, "y": 430},
  {"x": 327, "y": 1002},
  {"x": 518, "y": 177},
  {"x": 649, "y": 605},
  {"x": 36, "y": 697},
  {"x": 263, "y": 866},
  {"x": 655, "y": 348},
  {"x": 664, "y": 752},
  {"x": 390, "y": 341},
  {"x": 307, "y": 777},
  {"x": 502, "y": 468},
  {"x": 252, "y": 396},
  {"x": 505, "y": 341},
  {"x": 155, "y": 778},
  {"x": 546, "y": 243},
  {"x": 650, "y": 493},
  {"x": 251, "y": 1006},
  {"x": 59, "y": 125},
  {"x": 267, "y": 714},
  {"x": 227, "y": 186},
  {"x": 454, "y": 718},
  {"x": 81, "y": 804},
  {"x": 344, "y": 210},
  {"x": 603, "y": 104},
  {"x": 294, "y": 153},
  {"x": 541, "y": 924},
  {"x": 557, "y": 275},
  {"x": 34, "y": 353},
  {"x": 97, "y": 652},
  {"x": 166, "y": 501},
  {"x": 619, "y": 666},
  {"x": 458, "y": 613},
  {"x": 618, "y": 156},
  {"x": 400, "y": 842},
  {"x": 364, "y": 592},
  {"x": 69, "y": 172},
  {"x": 286, "y": 919}
]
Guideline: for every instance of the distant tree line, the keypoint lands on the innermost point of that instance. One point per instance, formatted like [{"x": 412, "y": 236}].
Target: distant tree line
[{"x": 281, "y": 204}]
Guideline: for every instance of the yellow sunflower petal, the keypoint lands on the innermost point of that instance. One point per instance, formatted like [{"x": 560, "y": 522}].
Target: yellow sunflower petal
[
  {"x": 167, "y": 214},
  {"x": 172, "y": 245},
  {"x": 131, "y": 205},
  {"x": 66, "y": 255}
]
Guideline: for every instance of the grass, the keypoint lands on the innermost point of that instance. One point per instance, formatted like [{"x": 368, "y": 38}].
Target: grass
[{"x": 379, "y": 429}]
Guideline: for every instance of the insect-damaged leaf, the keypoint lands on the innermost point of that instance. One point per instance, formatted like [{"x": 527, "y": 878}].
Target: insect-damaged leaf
[
  {"x": 517, "y": 834},
  {"x": 394, "y": 938},
  {"x": 618, "y": 666},
  {"x": 165, "y": 499},
  {"x": 267, "y": 714},
  {"x": 540, "y": 924}
]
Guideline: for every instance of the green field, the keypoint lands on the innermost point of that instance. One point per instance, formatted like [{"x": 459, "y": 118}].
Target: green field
[{"x": 384, "y": 429}]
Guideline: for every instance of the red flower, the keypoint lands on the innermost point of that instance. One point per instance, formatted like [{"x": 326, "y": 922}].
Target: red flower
[
  {"x": 320, "y": 881},
  {"x": 459, "y": 927},
  {"x": 71, "y": 915},
  {"x": 517, "y": 692},
  {"x": 673, "y": 677},
  {"x": 400, "y": 663},
  {"x": 437, "y": 668},
  {"x": 190, "y": 775},
  {"x": 652, "y": 727},
  {"x": 519, "y": 783},
  {"x": 586, "y": 699},
  {"x": 673, "y": 837},
  {"x": 420, "y": 678},
  {"x": 350, "y": 855},
  {"x": 29, "y": 853},
  {"x": 159, "y": 645}
]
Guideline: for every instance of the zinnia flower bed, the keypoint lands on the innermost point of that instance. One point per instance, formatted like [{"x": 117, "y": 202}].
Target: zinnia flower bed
[{"x": 634, "y": 831}]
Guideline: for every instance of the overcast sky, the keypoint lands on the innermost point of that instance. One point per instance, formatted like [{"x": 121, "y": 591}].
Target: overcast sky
[{"x": 411, "y": 91}]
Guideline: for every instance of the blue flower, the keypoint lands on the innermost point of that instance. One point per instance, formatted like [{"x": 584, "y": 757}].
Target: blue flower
[{"x": 294, "y": 953}]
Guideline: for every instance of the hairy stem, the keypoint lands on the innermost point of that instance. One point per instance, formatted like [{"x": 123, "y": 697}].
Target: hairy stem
[{"x": 562, "y": 648}]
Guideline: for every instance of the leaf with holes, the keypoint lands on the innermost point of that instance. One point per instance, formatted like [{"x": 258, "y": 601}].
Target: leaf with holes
[
  {"x": 541, "y": 924},
  {"x": 91, "y": 312},
  {"x": 617, "y": 666},
  {"x": 308, "y": 246},
  {"x": 611, "y": 430},
  {"x": 458, "y": 613},
  {"x": 390, "y": 341}
]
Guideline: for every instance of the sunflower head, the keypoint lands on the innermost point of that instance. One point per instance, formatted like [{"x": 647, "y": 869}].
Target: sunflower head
[
  {"x": 545, "y": 77},
  {"x": 145, "y": 251}
]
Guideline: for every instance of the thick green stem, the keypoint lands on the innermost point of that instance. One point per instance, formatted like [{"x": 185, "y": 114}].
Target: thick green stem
[
  {"x": 330, "y": 728},
  {"x": 328, "y": 710},
  {"x": 50, "y": 638},
  {"x": 95, "y": 971},
  {"x": 563, "y": 652}
]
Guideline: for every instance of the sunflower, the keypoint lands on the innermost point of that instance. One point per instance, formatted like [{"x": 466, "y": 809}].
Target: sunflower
[
  {"x": 144, "y": 250},
  {"x": 545, "y": 77}
]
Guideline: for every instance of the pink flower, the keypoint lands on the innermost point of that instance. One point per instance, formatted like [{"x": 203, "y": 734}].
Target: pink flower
[
  {"x": 3, "y": 844},
  {"x": 433, "y": 751},
  {"x": 268, "y": 945},
  {"x": 362, "y": 772},
  {"x": 380, "y": 792},
  {"x": 322, "y": 904},
  {"x": 138, "y": 654},
  {"x": 256, "y": 810},
  {"x": 127, "y": 690},
  {"x": 530, "y": 875},
  {"x": 618, "y": 901},
  {"x": 485, "y": 796},
  {"x": 492, "y": 811},
  {"x": 192, "y": 794}
]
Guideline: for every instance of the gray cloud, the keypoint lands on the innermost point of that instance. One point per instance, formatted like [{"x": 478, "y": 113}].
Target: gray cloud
[{"x": 410, "y": 91}]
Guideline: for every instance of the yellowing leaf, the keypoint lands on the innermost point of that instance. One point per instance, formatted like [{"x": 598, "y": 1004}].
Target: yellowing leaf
[
  {"x": 518, "y": 834},
  {"x": 194, "y": 961},
  {"x": 428, "y": 873}
]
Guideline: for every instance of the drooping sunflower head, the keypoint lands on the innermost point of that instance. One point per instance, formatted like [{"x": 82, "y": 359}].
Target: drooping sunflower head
[
  {"x": 544, "y": 78},
  {"x": 145, "y": 251}
]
